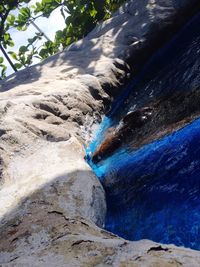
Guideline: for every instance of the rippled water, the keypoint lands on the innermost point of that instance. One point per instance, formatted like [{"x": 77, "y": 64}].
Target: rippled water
[{"x": 154, "y": 192}]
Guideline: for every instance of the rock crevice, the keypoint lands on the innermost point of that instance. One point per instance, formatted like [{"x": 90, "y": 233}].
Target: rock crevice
[{"x": 51, "y": 202}]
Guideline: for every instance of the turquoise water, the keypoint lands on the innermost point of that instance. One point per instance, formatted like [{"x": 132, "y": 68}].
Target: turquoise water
[{"x": 154, "y": 192}]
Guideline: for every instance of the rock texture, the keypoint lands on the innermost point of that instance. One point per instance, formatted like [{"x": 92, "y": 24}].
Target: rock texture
[{"x": 52, "y": 205}]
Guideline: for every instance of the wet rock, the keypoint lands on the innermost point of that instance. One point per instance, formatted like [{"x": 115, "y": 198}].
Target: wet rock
[
  {"x": 51, "y": 204},
  {"x": 147, "y": 124},
  {"x": 126, "y": 130}
]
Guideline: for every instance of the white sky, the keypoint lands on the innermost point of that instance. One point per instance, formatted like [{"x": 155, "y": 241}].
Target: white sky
[{"x": 48, "y": 25}]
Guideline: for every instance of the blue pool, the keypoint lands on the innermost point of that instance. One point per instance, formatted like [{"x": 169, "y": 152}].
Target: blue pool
[{"x": 154, "y": 192}]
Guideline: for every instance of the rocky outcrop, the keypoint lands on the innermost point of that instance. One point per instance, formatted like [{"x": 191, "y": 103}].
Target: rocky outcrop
[{"x": 51, "y": 204}]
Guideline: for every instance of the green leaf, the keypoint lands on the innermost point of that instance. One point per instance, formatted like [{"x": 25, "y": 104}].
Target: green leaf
[
  {"x": 1, "y": 8},
  {"x": 93, "y": 12},
  {"x": 6, "y": 36},
  {"x": 42, "y": 53},
  {"x": 13, "y": 55},
  {"x": 22, "y": 27},
  {"x": 62, "y": 11},
  {"x": 23, "y": 49},
  {"x": 18, "y": 65},
  {"x": 11, "y": 43},
  {"x": 23, "y": 60},
  {"x": 3, "y": 71},
  {"x": 32, "y": 40},
  {"x": 29, "y": 59},
  {"x": 11, "y": 19},
  {"x": 25, "y": 12}
]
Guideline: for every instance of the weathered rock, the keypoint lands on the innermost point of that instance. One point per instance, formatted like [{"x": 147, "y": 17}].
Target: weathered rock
[{"x": 50, "y": 200}]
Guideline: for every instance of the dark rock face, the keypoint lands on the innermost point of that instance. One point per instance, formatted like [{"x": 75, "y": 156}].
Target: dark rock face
[
  {"x": 146, "y": 39},
  {"x": 147, "y": 124},
  {"x": 133, "y": 121}
]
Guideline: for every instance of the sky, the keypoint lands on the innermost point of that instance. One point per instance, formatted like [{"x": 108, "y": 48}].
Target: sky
[{"x": 48, "y": 25}]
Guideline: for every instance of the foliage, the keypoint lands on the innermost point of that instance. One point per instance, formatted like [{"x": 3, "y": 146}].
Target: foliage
[{"x": 80, "y": 16}]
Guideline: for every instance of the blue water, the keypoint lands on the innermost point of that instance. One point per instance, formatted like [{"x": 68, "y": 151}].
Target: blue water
[{"x": 154, "y": 192}]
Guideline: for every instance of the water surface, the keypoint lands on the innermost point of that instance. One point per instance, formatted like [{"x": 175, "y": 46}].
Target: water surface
[{"x": 154, "y": 192}]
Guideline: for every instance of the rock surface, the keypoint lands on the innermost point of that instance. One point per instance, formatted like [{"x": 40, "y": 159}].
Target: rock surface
[
  {"x": 150, "y": 123},
  {"x": 52, "y": 205}
]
